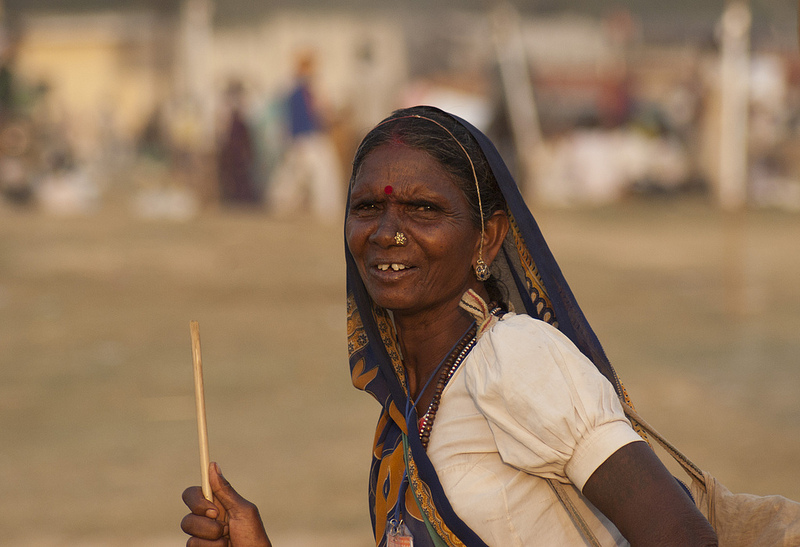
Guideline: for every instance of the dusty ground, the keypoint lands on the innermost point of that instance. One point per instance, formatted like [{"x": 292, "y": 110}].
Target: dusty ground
[{"x": 701, "y": 316}]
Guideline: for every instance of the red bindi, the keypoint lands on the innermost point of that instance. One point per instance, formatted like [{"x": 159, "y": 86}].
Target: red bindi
[{"x": 388, "y": 189}]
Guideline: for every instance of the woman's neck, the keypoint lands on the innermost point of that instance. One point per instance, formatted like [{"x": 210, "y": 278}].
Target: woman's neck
[{"x": 425, "y": 341}]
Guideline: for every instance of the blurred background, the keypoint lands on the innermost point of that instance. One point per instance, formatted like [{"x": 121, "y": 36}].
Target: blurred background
[{"x": 164, "y": 161}]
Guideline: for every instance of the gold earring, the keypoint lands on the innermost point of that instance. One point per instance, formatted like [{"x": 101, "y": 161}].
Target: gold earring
[
  {"x": 482, "y": 270},
  {"x": 400, "y": 238}
]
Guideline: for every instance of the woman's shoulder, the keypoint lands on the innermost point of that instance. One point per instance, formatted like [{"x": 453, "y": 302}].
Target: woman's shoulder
[
  {"x": 522, "y": 329},
  {"x": 519, "y": 350}
]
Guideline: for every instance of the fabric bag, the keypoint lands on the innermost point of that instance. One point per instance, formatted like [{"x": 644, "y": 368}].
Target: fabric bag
[{"x": 740, "y": 520}]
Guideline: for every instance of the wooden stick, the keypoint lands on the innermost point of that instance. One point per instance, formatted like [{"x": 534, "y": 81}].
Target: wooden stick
[{"x": 200, "y": 405}]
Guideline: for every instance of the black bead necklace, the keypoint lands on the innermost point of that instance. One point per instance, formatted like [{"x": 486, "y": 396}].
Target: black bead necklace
[{"x": 451, "y": 364}]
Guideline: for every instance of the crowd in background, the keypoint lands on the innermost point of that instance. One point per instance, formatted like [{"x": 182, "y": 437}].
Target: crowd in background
[{"x": 630, "y": 127}]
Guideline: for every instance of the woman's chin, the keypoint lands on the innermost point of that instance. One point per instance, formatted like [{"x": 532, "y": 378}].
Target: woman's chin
[{"x": 394, "y": 304}]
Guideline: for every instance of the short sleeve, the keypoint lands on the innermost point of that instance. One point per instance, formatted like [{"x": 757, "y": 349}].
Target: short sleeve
[{"x": 552, "y": 413}]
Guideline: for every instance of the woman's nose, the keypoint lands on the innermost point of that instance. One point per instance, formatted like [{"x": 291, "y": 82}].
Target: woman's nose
[{"x": 387, "y": 227}]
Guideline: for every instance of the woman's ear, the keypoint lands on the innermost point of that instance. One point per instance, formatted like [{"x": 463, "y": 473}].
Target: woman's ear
[{"x": 495, "y": 230}]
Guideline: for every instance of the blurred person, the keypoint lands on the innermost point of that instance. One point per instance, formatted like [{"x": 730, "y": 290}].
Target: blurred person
[
  {"x": 16, "y": 134},
  {"x": 16, "y": 184},
  {"x": 192, "y": 164},
  {"x": 236, "y": 153},
  {"x": 153, "y": 141},
  {"x": 497, "y": 428},
  {"x": 268, "y": 125},
  {"x": 6, "y": 85},
  {"x": 310, "y": 168}
]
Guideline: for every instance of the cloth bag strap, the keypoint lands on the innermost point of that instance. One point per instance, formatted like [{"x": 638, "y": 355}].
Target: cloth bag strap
[{"x": 577, "y": 518}]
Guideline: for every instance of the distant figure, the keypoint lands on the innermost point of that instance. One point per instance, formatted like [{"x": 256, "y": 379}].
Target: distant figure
[
  {"x": 236, "y": 154},
  {"x": 310, "y": 168},
  {"x": 153, "y": 143}
]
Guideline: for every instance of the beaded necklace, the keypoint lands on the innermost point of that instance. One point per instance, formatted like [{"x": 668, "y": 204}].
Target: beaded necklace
[{"x": 449, "y": 367}]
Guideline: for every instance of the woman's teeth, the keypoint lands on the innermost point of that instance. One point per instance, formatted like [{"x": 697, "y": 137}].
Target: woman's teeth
[{"x": 395, "y": 267}]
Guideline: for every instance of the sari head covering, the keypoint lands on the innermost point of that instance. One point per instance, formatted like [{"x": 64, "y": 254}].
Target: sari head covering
[{"x": 403, "y": 481}]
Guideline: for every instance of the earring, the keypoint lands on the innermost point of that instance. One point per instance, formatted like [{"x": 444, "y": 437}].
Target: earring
[
  {"x": 400, "y": 238},
  {"x": 482, "y": 270}
]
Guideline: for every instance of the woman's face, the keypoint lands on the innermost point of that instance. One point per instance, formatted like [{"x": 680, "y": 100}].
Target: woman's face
[{"x": 402, "y": 189}]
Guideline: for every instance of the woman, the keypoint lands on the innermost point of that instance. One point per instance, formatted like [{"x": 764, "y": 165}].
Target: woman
[{"x": 496, "y": 428}]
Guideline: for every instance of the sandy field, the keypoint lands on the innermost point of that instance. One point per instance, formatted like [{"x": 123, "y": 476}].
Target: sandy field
[{"x": 699, "y": 312}]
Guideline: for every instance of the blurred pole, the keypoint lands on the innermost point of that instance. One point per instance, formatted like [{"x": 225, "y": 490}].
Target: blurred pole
[
  {"x": 196, "y": 55},
  {"x": 734, "y": 90},
  {"x": 733, "y": 166},
  {"x": 513, "y": 63},
  {"x": 196, "y": 91}
]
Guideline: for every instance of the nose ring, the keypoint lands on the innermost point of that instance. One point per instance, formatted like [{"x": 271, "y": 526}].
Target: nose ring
[{"x": 400, "y": 238}]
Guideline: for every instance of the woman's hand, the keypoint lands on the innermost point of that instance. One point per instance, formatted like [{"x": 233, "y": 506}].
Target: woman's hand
[{"x": 231, "y": 521}]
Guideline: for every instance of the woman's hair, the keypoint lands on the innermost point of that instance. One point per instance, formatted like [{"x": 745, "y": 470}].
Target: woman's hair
[{"x": 442, "y": 137}]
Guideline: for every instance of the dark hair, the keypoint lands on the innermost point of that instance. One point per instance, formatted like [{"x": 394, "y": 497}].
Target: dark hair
[{"x": 426, "y": 128}]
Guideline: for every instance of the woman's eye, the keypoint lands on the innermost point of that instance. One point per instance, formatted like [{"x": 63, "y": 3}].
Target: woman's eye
[
  {"x": 364, "y": 208},
  {"x": 424, "y": 207}
]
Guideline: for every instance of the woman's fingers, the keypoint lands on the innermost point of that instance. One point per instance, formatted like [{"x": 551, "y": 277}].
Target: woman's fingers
[
  {"x": 195, "y": 542},
  {"x": 201, "y": 523},
  {"x": 230, "y": 521},
  {"x": 198, "y": 504},
  {"x": 203, "y": 527}
]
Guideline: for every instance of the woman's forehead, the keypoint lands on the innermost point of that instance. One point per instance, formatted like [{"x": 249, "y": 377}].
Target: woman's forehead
[
  {"x": 398, "y": 160},
  {"x": 390, "y": 169}
]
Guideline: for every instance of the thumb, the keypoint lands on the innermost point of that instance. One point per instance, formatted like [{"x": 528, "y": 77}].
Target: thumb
[{"x": 223, "y": 491}]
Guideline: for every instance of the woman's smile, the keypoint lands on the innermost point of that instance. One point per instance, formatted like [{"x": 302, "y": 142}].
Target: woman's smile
[
  {"x": 391, "y": 269},
  {"x": 396, "y": 267}
]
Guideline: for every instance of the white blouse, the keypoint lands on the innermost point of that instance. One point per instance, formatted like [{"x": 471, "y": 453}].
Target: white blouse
[{"x": 525, "y": 405}]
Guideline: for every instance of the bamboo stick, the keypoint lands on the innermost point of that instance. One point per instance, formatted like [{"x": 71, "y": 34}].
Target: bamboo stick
[{"x": 200, "y": 406}]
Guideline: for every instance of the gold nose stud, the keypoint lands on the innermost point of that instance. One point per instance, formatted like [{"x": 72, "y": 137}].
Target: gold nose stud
[{"x": 400, "y": 238}]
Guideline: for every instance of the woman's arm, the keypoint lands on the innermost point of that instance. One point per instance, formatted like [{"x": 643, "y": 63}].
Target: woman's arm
[{"x": 645, "y": 502}]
